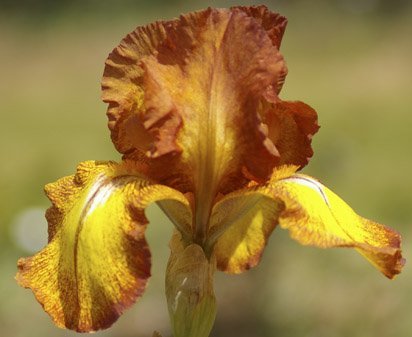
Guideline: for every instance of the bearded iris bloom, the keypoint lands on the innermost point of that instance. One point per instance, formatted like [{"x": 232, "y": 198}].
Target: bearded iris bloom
[{"x": 194, "y": 107}]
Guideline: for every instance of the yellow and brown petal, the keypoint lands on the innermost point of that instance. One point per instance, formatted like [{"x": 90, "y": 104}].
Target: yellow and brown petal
[
  {"x": 312, "y": 213},
  {"x": 188, "y": 93},
  {"x": 97, "y": 261}
]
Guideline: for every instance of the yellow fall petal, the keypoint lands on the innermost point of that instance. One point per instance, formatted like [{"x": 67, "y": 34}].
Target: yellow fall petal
[
  {"x": 97, "y": 261},
  {"x": 241, "y": 224},
  {"x": 312, "y": 213},
  {"x": 251, "y": 218},
  {"x": 315, "y": 215}
]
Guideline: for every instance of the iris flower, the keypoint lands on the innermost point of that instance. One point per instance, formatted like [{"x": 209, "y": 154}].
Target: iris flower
[{"x": 194, "y": 107}]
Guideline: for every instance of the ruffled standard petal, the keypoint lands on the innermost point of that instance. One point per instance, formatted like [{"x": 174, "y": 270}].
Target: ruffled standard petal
[
  {"x": 213, "y": 81},
  {"x": 188, "y": 90},
  {"x": 274, "y": 25},
  {"x": 97, "y": 261},
  {"x": 291, "y": 126},
  {"x": 312, "y": 213}
]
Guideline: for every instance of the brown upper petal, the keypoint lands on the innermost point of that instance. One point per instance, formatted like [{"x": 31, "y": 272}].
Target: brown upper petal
[
  {"x": 178, "y": 87},
  {"x": 274, "y": 24},
  {"x": 290, "y": 127},
  {"x": 185, "y": 94}
]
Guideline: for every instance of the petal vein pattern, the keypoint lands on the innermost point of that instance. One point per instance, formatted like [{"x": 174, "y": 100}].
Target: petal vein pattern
[{"x": 97, "y": 261}]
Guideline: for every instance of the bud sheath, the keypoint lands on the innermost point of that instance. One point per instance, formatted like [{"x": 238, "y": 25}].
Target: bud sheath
[{"x": 189, "y": 290}]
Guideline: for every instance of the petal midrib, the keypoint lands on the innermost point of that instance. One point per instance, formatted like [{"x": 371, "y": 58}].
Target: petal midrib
[{"x": 209, "y": 162}]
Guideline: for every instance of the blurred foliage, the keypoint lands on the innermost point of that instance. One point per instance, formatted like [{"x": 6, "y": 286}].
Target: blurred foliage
[{"x": 351, "y": 60}]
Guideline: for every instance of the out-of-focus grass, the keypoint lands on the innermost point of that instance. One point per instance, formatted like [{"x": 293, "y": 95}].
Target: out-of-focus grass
[{"x": 353, "y": 67}]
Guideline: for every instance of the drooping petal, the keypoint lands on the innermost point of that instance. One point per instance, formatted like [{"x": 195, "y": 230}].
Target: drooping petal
[
  {"x": 241, "y": 224},
  {"x": 246, "y": 220},
  {"x": 314, "y": 215},
  {"x": 188, "y": 90},
  {"x": 97, "y": 261}
]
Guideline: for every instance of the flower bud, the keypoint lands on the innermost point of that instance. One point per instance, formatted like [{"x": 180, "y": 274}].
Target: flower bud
[{"x": 189, "y": 290}]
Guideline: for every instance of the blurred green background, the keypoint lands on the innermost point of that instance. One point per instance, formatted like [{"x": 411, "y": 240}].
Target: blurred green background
[{"x": 350, "y": 59}]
